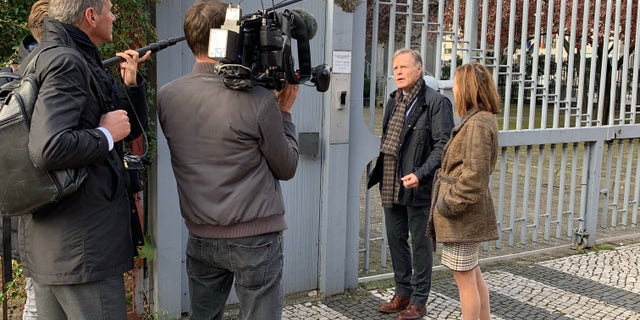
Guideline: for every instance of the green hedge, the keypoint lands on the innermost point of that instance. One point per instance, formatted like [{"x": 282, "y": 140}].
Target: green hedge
[
  {"x": 133, "y": 27},
  {"x": 13, "y": 27}
]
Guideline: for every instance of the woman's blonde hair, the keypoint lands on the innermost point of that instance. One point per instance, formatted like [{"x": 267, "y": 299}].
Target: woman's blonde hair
[
  {"x": 38, "y": 11},
  {"x": 473, "y": 87}
]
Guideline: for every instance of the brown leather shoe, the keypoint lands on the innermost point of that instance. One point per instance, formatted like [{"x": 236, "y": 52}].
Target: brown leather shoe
[
  {"x": 412, "y": 312},
  {"x": 396, "y": 304}
]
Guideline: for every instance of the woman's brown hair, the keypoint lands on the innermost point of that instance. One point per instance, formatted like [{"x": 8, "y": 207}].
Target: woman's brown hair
[{"x": 473, "y": 87}]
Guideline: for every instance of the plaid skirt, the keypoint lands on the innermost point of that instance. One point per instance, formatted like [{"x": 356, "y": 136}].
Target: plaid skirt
[{"x": 460, "y": 256}]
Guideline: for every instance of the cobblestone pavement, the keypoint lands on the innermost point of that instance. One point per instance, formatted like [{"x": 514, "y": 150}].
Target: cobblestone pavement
[{"x": 600, "y": 284}]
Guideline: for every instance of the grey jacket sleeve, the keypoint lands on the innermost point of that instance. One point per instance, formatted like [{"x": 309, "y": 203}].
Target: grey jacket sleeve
[{"x": 279, "y": 145}]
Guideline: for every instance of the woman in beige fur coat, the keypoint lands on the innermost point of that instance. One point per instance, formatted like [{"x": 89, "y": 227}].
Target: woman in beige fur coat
[{"x": 463, "y": 215}]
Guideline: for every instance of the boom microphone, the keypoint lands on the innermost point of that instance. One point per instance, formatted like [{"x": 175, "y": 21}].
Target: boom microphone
[
  {"x": 309, "y": 22},
  {"x": 154, "y": 47}
]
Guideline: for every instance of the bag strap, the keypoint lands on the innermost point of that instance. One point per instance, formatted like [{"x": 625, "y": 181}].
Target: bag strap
[
  {"x": 9, "y": 75},
  {"x": 31, "y": 66},
  {"x": 93, "y": 82}
]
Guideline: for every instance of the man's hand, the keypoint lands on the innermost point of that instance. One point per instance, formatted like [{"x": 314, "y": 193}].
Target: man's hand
[
  {"x": 287, "y": 96},
  {"x": 410, "y": 181},
  {"x": 129, "y": 67},
  {"x": 117, "y": 123}
]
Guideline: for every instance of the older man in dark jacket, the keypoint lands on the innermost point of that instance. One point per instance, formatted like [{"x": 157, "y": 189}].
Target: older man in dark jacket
[
  {"x": 416, "y": 126},
  {"x": 77, "y": 250}
]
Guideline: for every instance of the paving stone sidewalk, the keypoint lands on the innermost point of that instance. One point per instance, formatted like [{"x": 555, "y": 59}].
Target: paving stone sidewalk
[{"x": 599, "y": 284}]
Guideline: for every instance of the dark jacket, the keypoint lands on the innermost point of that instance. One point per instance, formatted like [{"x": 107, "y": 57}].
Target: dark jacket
[
  {"x": 25, "y": 47},
  {"x": 463, "y": 210},
  {"x": 87, "y": 235},
  {"x": 425, "y": 132}
]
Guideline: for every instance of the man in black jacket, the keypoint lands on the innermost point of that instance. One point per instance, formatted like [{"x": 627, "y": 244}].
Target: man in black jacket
[
  {"x": 77, "y": 250},
  {"x": 416, "y": 126}
]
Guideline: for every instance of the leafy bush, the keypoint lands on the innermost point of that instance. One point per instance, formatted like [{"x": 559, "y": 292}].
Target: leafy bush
[
  {"x": 13, "y": 27},
  {"x": 132, "y": 29}
]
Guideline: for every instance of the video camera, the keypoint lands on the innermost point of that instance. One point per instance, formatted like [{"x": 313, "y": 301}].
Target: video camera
[{"x": 256, "y": 49}]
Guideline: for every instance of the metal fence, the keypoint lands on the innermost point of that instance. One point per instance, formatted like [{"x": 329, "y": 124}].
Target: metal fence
[{"x": 569, "y": 164}]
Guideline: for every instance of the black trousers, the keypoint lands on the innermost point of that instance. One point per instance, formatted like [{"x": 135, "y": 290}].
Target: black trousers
[{"x": 412, "y": 265}]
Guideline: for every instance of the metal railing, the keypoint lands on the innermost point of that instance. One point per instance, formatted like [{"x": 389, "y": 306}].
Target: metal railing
[{"x": 568, "y": 170}]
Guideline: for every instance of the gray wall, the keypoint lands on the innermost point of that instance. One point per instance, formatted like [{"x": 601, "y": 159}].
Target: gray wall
[{"x": 168, "y": 290}]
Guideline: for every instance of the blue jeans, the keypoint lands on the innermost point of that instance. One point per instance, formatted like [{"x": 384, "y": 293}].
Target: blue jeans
[
  {"x": 255, "y": 263},
  {"x": 104, "y": 299}
]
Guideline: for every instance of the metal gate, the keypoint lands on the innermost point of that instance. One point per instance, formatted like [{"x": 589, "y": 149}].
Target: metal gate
[{"x": 569, "y": 164}]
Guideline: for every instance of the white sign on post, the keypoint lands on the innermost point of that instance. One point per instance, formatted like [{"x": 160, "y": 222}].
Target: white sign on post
[{"x": 341, "y": 62}]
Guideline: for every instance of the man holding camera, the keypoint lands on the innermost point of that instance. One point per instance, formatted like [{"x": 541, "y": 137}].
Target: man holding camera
[
  {"x": 78, "y": 249},
  {"x": 229, "y": 149}
]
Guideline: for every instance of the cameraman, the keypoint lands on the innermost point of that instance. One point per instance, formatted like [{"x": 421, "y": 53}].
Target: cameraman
[{"x": 229, "y": 149}]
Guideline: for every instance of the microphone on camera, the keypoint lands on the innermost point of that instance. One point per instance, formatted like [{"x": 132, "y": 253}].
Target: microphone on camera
[
  {"x": 309, "y": 22},
  {"x": 302, "y": 27}
]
